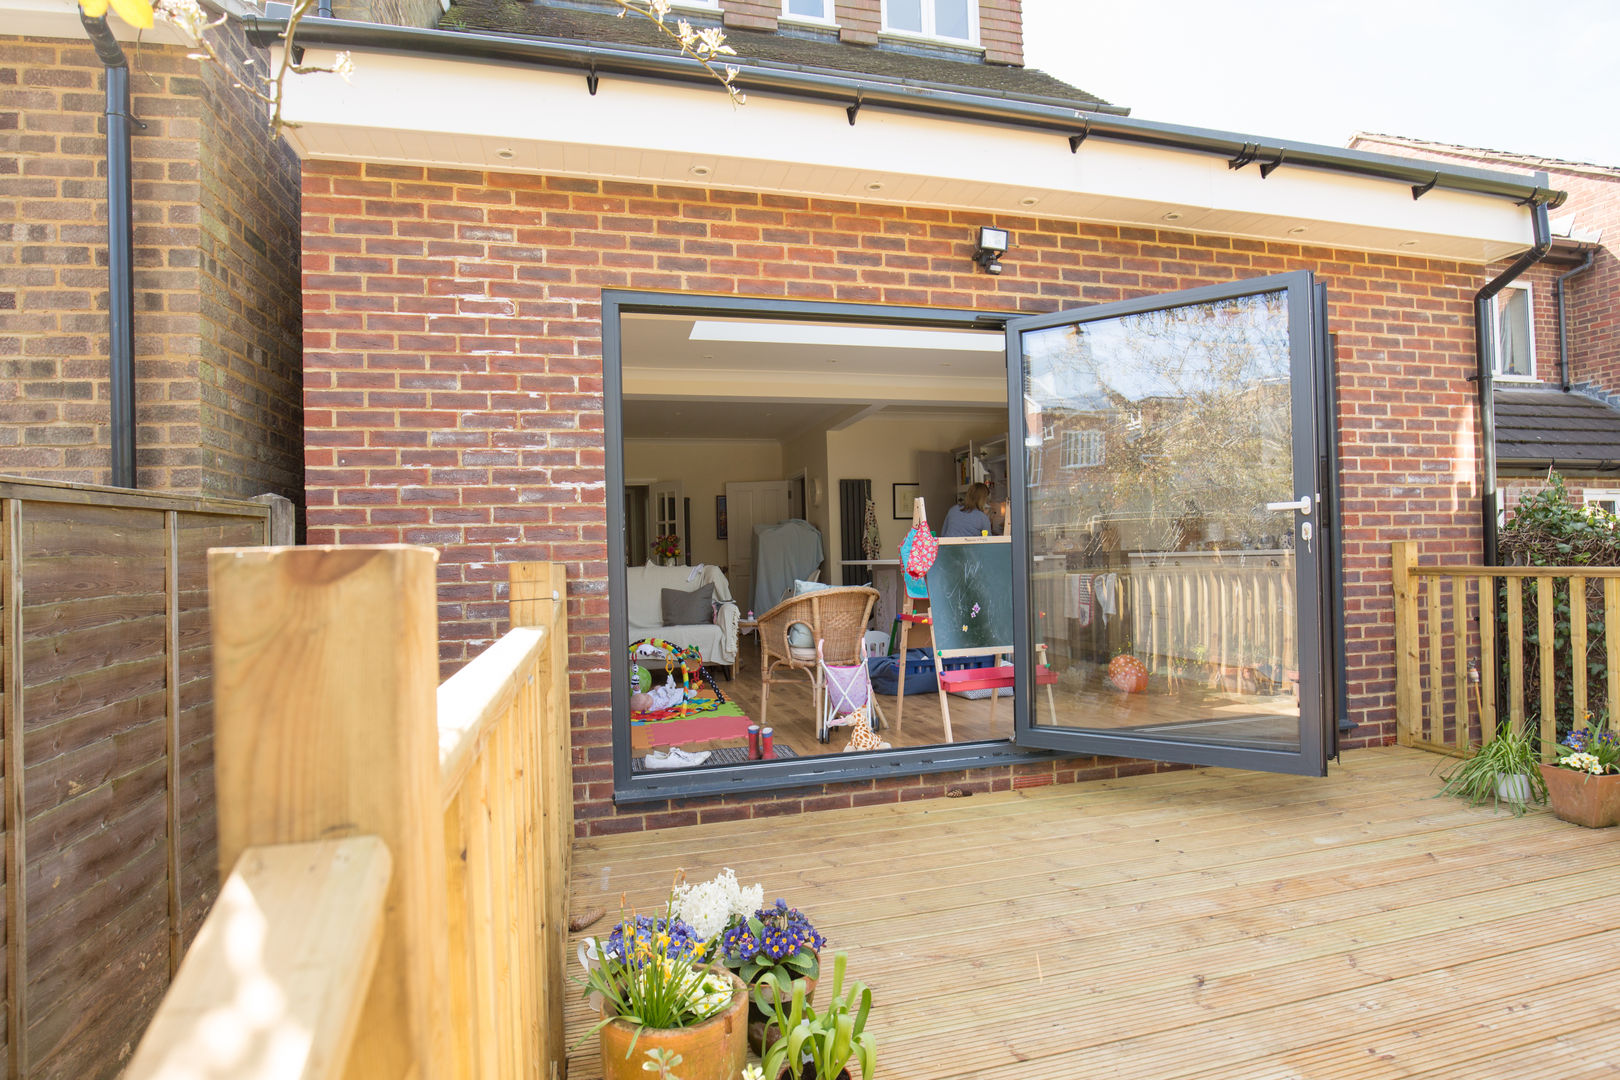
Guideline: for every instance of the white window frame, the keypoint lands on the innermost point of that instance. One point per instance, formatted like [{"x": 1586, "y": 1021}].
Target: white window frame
[
  {"x": 928, "y": 34},
  {"x": 695, "y": 5},
  {"x": 1036, "y": 454},
  {"x": 827, "y": 18},
  {"x": 1082, "y": 448},
  {"x": 1599, "y": 496},
  {"x": 1498, "y": 354}
]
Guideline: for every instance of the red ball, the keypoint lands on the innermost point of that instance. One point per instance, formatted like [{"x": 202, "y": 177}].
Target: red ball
[{"x": 1128, "y": 673}]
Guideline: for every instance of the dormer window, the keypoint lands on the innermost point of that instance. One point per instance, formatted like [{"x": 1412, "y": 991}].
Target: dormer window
[
  {"x": 813, "y": 10},
  {"x": 949, "y": 20}
]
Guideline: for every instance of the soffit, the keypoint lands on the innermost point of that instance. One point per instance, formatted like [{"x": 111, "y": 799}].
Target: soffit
[{"x": 402, "y": 108}]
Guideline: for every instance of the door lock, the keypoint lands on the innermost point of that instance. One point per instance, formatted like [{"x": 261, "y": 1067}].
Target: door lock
[
  {"x": 1302, "y": 504},
  {"x": 1305, "y": 534}
]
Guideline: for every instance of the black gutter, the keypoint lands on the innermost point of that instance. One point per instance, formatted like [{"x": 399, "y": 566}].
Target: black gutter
[
  {"x": 1563, "y": 329},
  {"x": 1485, "y": 367},
  {"x": 120, "y": 253},
  {"x": 1072, "y": 121}
]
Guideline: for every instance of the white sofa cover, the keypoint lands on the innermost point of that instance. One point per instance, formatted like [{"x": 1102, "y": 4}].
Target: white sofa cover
[{"x": 716, "y": 641}]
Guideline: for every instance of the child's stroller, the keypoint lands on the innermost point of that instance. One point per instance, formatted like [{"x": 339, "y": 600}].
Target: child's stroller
[{"x": 847, "y": 700}]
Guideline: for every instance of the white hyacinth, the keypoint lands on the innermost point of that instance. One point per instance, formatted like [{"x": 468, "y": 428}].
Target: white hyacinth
[{"x": 709, "y": 905}]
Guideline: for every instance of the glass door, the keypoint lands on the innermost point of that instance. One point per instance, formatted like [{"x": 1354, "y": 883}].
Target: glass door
[{"x": 1170, "y": 530}]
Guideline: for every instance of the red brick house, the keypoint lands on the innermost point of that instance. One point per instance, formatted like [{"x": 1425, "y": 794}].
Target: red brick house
[
  {"x": 1557, "y": 383},
  {"x": 558, "y": 292}
]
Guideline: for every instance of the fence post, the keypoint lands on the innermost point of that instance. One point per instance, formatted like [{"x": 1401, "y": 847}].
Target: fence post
[
  {"x": 283, "y": 525},
  {"x": 325, "y": 674},
  {"x": 1408, "y": 691},
  {"x": 538, "y": 596}
]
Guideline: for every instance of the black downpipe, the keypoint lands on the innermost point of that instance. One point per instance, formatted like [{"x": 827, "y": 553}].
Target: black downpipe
[
  {"x": 120, "y": 253},
  {"x": 1485, "y": 368},
  {"x": 1563, "y": 328}
]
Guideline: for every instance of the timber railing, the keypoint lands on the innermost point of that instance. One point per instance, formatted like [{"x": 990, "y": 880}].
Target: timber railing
[
  {"x": 1447, "y": 673},
  {"x": 398, "y": 852}
]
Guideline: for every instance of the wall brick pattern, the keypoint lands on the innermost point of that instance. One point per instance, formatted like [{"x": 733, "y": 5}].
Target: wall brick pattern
[
  {"x": 453, "y": 374},
  {"x": 751, "y": 14},
  {"x": 216, "y": 301},
  {"x": 1001, "y": 31}
]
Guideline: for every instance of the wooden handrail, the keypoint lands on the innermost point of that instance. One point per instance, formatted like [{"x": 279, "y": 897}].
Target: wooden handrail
[
  {"x": 1449, "y": 718},
  {"x": 274, "y": 985},
  {"x": 329, "y": 725},
  {"x": 477, "y": 696}
]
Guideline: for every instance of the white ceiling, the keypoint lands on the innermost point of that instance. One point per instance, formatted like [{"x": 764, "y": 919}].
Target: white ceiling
[{"x": 677, "y": 388}]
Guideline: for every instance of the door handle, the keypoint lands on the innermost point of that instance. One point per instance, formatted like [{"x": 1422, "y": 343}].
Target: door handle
[{"x": 1302, "y": 504}]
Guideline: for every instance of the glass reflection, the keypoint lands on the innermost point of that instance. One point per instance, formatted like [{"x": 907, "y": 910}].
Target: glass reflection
[{"x": 1163, "y": 589}]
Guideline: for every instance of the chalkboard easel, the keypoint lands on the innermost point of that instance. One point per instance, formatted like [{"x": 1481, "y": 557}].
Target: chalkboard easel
[{"x": 970, "y": 586}]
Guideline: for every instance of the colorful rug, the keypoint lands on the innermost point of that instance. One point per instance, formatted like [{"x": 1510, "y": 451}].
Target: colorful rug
[
  {"x": 726, "y": 721},
  {"x": 703, "y": 698},
  {"x": 727, "y": 755}
]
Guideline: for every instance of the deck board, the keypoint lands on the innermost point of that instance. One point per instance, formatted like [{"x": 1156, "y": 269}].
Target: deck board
[{"x": 1207, "y": 923}]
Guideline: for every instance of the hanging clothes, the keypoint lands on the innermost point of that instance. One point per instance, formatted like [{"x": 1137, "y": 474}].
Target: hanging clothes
[{"x": 871, "y": 539}]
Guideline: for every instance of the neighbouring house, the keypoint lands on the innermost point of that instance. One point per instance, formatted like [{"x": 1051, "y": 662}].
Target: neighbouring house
[
  {"x": 563, "y": 298},
  {"x": 215, "y": 306},
  {"x": 1557, "y": 329}
]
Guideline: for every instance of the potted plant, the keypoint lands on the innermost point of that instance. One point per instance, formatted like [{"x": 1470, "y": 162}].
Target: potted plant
[
  {"x": 770, "y": 949},
  {"x": 1583, "y": 785},
  {"x": 1503, "y": 771},
  {"x": 655, "y": 990},
  {"x": 820, "y": 1045}
]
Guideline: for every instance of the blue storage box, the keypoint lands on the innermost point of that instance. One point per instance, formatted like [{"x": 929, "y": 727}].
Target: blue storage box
[{"x": 920, "y": 677}]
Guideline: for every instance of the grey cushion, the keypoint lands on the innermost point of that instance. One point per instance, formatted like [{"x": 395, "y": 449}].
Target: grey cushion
[
  {"x": 682, "y": 608},
  {"x": 801, "y": 642}
]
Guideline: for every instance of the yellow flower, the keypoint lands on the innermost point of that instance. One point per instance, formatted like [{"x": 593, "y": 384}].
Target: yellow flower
[{"x": 138, "y": 13}]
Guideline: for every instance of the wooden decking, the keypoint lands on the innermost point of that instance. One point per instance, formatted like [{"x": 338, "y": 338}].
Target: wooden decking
[{"x": 1209, "y": 924}]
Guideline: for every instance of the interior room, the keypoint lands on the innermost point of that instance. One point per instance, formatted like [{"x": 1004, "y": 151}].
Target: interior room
[{"x": 768, "y": 458}]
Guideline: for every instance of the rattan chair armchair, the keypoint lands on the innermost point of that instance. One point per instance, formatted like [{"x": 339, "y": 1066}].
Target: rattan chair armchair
[{"x": 836, "y": 617}]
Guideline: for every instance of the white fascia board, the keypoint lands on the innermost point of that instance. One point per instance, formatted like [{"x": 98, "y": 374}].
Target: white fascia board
[{"x": 402, "y": 108}]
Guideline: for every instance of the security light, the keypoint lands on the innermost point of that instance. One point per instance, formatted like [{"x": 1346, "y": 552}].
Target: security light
[{"x": 992, "y": 246}]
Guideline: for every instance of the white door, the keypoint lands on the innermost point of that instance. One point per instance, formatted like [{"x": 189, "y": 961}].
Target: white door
[
  {"x": 760, "y": 502},
  {"x": 666, "y": 514}
]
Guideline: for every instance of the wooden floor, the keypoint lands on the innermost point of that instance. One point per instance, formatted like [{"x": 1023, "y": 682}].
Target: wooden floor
[{"x": 1210, "y": 924}]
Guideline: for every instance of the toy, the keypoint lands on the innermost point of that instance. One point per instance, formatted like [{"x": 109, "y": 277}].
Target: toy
[{"x": 1128, "y": 673}]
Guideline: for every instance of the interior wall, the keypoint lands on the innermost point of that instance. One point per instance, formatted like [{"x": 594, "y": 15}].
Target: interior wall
[
  {"x": 886, "y": 451},
  {"x": 703, "y": 467}
]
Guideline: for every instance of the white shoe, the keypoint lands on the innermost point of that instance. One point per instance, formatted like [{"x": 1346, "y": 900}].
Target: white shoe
[{"x": 676, "y": 758}]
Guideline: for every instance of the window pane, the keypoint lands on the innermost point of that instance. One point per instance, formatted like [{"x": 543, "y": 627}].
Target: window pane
[
  {"x": 1513, "y": 307},
  {"x": 1163, "y": 589},
  {"x": 951, "y": 19},
  {"x": 905, "y": 15},
  {"x": 813, "y": 9}
]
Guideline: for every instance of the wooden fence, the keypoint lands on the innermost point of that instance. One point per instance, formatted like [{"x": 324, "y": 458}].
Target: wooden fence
[
  {"x": 398, "y": 855},
  {"x": 107, "y": 752},
  {"x": 1447, "y": 671}
]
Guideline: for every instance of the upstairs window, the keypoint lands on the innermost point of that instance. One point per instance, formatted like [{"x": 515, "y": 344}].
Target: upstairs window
[
  {"x": 953, "y": 20},
  {"x": 1082, "y": 449},
  {"x": 817, "y": 10},
  {"x": 1515, "y": 334}
]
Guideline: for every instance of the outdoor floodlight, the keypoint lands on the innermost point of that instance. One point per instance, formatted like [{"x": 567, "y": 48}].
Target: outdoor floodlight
[{"x": 992, "y": 246}]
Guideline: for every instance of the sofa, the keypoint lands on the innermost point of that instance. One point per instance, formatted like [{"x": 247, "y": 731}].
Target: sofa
[{"x": 715, "y": 640}]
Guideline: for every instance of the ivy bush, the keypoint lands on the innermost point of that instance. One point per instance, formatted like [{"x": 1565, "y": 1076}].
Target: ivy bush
[{"x": 1547, "y": 529}]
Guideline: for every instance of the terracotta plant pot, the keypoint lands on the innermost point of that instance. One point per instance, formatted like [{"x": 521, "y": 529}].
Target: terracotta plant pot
[
  {"x": 716, "y": 1049},
  {"x": 1592, "y": 801},
  {"x": 761, "y": 1028}
]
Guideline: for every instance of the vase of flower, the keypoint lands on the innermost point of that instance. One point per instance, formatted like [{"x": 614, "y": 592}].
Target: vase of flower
[
  {"x": 656, "y": 990},
  {"x": 770, "y": 949},
  {"x": 1583, "y": 785},
  {"x": 711, "y": 1049},
  {"x": 667, "y": 548}
]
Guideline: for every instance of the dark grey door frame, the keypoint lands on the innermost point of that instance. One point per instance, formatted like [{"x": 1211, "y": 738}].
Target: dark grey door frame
[
  {"x": 769, "y": 775},
  {"x": 1310, "y": 373}
]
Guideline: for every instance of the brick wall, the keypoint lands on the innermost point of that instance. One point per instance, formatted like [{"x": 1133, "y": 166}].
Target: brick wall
[
  {"x": 1001, "y": 31},
  {"x": 216, "y": 304},
  {"x": 751, "y": 14},
  {"x": 453, "y": 390},
  {"x": 858, "y": 21}
]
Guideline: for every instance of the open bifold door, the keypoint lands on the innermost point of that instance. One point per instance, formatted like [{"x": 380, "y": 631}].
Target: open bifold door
[{"x": 1168, "y": 527}]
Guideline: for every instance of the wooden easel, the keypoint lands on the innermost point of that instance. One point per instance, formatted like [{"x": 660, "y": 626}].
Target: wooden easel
[{"x": 994, "y": 678}]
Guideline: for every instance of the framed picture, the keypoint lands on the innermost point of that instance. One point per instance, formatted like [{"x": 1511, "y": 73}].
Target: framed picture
[
  {"x": 904, "y": 496},
  {"x": 719, "y": 517}
]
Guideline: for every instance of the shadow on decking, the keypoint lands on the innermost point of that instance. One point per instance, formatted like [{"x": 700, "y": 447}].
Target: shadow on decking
[{"x": 1210, "y": 924}]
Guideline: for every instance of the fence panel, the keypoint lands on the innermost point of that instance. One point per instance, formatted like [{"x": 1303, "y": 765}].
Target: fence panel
[{"x": 107, "y": 751}]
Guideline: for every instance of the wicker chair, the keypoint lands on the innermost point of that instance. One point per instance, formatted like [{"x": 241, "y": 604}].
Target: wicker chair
[{"x": 836, "y": 617}]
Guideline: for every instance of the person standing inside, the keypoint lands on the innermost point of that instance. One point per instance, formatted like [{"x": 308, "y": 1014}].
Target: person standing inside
[{"x": 968, "y": 519}]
